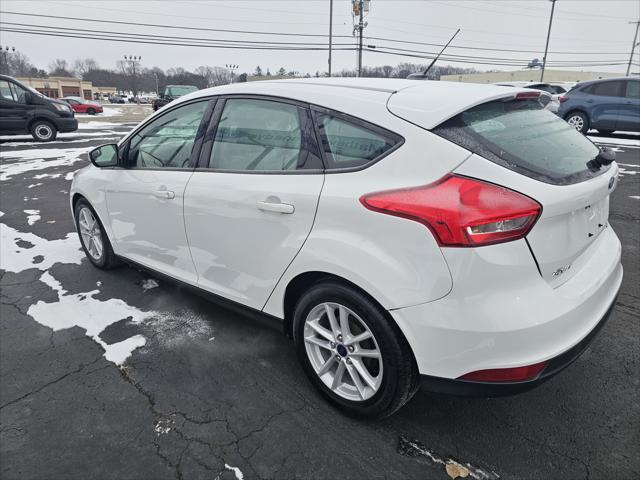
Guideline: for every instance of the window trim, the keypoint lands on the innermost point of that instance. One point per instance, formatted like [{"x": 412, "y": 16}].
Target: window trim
[
  {"x": 123, "y": 149},
  {"x": 307, "y": 128},
  {"x": 358, "y": 122}
]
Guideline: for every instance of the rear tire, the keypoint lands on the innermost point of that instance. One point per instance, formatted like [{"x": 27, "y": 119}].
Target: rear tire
[
  {"x": 389, "y": 375},
  {"x": 43, "y": 131},
  {"x": 93, "y": 237},
  {"x": 578, "y": 120}
]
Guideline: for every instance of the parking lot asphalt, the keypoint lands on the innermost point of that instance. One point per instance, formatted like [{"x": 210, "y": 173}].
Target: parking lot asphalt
[{"x": 212, "y": 393}]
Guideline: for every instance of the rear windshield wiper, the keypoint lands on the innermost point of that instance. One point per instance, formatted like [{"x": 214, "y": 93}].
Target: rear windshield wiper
[{"x": 605, "y": 157}]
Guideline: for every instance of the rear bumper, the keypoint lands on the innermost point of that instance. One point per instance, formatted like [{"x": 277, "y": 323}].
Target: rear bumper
[
  {"x": 502, "y": 314},
  {"x": 66, "y": 124},
  {"x": 495, "y": 389}
]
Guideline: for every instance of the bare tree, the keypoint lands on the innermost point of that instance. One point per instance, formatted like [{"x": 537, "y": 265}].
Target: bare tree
[
  {"x": 214, "y": 75},
  {"x": 59, "y": 67},
  {"x": 388, "y": 70},
  {"x": 83, "y": 66}
]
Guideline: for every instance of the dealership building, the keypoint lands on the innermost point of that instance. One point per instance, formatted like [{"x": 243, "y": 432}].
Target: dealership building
[{"x": 56, "y": 87}]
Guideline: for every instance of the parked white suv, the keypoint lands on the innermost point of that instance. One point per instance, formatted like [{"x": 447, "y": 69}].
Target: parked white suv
[{"x": 454, "y": 235}]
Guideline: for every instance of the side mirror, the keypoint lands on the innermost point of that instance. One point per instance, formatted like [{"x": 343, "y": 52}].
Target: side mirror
[
  {"x": 29, "y": 98},
  {"x": 104, "y": 156}
]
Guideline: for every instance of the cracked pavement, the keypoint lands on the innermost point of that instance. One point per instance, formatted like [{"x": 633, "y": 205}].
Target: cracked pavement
[{"x": 213, "y": 388}]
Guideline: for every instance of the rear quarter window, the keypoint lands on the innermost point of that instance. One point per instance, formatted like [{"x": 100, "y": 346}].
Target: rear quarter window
[
  {"x": 351, "y": 143},
  {"x": 524, "y": 137}
]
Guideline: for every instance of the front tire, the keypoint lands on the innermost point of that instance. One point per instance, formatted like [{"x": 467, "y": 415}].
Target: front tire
[
  {"x": 578, "y": 120},
  {"x": 91, "y": 111},
  {"x": 93, "y": 237},
  {"x": 43, "y": 131},
  {"x": 352, "y": 352}
]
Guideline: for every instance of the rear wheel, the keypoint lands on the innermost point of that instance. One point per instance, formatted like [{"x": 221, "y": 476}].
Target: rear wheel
[
  {"x": 93, "y": 238},
  {"x": 43, "y": 131},
  {"x": 352, "y": 352},
  {"x": 578, "y": 120}
]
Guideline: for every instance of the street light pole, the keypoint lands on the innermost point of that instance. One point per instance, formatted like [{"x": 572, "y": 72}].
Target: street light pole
[
  {"x": 546, "y": 47},
  {"x": 233, "y": 68},
  {"x": 633, "y": 46},
  {"x": 4, "y": 66},
  {"x": 133, "y": 61},
  {"x": 330, "y": 32}
]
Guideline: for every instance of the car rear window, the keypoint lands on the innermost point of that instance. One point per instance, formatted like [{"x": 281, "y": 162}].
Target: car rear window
[{"x": 524, "y": 137}]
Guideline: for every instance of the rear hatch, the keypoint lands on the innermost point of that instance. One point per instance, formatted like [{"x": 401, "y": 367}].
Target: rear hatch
[{"x": 530, "y": 150}]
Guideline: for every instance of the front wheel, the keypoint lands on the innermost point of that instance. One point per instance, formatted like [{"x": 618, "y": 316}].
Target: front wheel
[
  {"x": 93, "y": 238},
  {"x": 579, "y": 121},
  {"x": 91, "y": 111},
  {"x": 352, "y": 352},
  {"x": 43, "y": 131}
]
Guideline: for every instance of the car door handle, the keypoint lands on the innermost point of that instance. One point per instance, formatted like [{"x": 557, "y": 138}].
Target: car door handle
[
  {"x": 165, "y": 194},
  {"x": 276, "y": 207}
]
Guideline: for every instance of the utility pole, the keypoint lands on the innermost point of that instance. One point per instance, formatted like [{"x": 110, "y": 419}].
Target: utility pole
[
  {"x": 360, "y": 28},
  {"x": 133, "y": 62},
  {"x": 330, "y": 32},
  {"x": 633, "y": 46},
  {"x": 546, "y": 47},
  {"x": 232, "y": 67}
]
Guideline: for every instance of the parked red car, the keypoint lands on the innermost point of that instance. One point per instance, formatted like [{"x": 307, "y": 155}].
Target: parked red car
[{"x": 80, "y": 105}]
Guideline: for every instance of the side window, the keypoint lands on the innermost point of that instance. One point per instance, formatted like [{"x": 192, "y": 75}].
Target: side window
[
  {"x": 5, "y": 91},
  {"x": 263, "y": 135},
  {"x": 349, "y": 144},
  {"x": 19, "y": 93},
  {"x": 607, "y": 89},
  {"x": 168, "y": 140},
  {"x": 633, "y": 89}
]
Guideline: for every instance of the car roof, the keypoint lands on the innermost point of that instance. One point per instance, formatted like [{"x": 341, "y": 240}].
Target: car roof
[{"x": 426, "y": 103}]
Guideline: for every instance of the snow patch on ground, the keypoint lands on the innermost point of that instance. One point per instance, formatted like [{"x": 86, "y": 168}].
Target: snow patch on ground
[
  {"x": 636, "y": 197},
  {"x": 149, "y": 283},
  {"x": 42, "y": 255},
  {"x": 163, "y": 426},
  {"x": 38, "y": 159},
  {"x": 238, "y": 473},
  {"x": 91, "y": 314},
  {"x": 32, "y": 216},
  {"x": 630, "y": 142}
]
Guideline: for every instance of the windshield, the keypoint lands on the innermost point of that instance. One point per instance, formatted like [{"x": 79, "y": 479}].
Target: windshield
[
  {"x": 180, "y": 90},
  {"x": 524, "y": 137},
  {"x": 35, "y": 92}
]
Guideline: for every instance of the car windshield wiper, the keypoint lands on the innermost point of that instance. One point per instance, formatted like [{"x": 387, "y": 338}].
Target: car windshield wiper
[{"x": 605, "y": 157}]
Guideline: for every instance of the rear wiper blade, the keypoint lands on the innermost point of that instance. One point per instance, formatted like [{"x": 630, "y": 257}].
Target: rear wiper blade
[{"x": 606, "y": 156}]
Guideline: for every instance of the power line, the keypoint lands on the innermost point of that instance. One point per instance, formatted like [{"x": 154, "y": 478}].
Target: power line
[{"x": 253, "y": 32}]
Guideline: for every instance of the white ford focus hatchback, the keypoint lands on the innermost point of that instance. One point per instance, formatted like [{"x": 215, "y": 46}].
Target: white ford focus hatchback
[{"x": 406, "y": 233}]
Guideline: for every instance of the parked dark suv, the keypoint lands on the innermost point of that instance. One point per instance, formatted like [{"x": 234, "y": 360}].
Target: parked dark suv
[
  {"x": 606, "y": 105},
  {"x": 171, "y": 92},
  {"x": 25, "y": 110}
]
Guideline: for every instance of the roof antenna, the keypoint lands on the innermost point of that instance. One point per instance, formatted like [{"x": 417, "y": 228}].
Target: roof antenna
[{"x": 424, "y": 74}]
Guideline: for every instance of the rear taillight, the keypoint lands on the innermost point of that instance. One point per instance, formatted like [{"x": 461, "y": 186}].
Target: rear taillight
[
  {"x": 563, "y": 99},
  {"x": 461, "y": 211},
  {"x": 516, "y": 374}
]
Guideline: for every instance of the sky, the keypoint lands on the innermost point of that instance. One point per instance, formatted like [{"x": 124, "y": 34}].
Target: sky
[{"x": 582, "y": 31}]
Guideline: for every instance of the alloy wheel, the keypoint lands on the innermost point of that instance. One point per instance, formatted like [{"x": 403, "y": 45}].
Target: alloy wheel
[
  {"x": 343, "y": 351},
  {"x": 90, "y": 233},
  {"x": 576, "y": 121}
]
